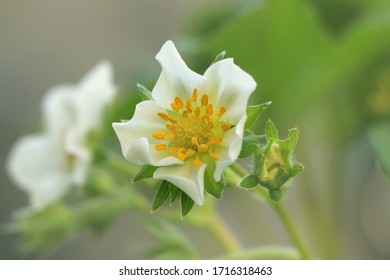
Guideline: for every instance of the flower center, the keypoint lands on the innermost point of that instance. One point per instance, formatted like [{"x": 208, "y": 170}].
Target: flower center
[{"x": 193, "y": 129}]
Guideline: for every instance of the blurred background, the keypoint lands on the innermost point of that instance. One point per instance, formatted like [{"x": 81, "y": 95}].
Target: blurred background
[{"x": 325, "y": 64}]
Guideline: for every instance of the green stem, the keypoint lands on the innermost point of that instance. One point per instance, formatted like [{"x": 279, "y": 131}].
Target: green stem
[
  {"x": 222, "y": 234},
  {"x": 281, "y": 212},
  {"x": 291, "y": 229}
]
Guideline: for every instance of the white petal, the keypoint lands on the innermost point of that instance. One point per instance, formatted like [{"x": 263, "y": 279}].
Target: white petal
[
  {"x": 176, "y": 79},
  {"x": 231, "y": 87},
  {"x": 135, "y": 136},
  {"x": 92, "y": 95},
  {"x": 187, "y": 177},
  {"x": 58, "y": 110},
  {"x": 36, "y": 164},
  {"x": 229, "y": 149}
]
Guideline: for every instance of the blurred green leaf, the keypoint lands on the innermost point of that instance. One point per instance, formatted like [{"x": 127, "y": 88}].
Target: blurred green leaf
[
  {"x": 162, "y": 195},
  {"x": 253, "y": 112},
  {"x": 186, "y": 204},
  {"x": 144, "y": 92},
  {"x": 379, "y": 136},
  {"x": 250, "y": 142},
  {"x": 249, "y": 181},
  {"x": 211, "y": 186},
  {"x": 145, "y": 172}
]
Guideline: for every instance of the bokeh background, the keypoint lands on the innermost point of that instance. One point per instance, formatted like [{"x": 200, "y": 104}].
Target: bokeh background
[{"x": 325, "y": 64}]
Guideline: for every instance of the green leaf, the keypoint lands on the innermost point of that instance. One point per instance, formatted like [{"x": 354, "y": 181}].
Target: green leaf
[
  {"x": 162, "y": 195},
  {"x": 145, "y": 172},
  {"x": 379, "y": 136},
  {"x": 211, "y": 186},
  {"x": 253, "y": 112},
  {"x": 249, "y": 181},
  {"x": 297, "y": 168},
  {"x": 186, "y": 204},
  {"x": 292, "y": 139},
  {"x": 249, "y": 144},
  {"x": 175, "y": 192},
  {"x": 144, "y": 92},
  {"x": 271, "y": 133}
]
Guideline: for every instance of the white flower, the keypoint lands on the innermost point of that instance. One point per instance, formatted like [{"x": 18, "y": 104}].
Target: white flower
[
  {"x": 46, "y": 165},
  {"x": 191, "y": 121}
]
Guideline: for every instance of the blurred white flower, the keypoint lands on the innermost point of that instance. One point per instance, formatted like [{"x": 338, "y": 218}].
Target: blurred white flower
[
  {"x": 48, "y": 164},
  {"x": 192, "y": 121}
]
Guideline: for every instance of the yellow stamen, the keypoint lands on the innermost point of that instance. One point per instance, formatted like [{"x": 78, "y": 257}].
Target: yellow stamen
[
  {"x": 203, "y": 147},
  {"x": 178, "y": 102},
  {"x": 170, "y": 127},
  {"x": 189, "y": 101},
  {"x": 181, "y": 156},
  {"x": 197, "y": 111},
  {"x": 211, "y": 125},
  {"x": 218, "y": 140},
  {"x": 214, "y": 156},
  {"x": 190, "y": 153},
  {"x": 174, "y": 149},
  {"x": 163, "y": 116},
  {"x": 195, "y": 94},
  {"x": 159, "y": 134},
  {"x": 209, "y": 109},
  {"x": 222, "y": 111},
  {"x": 170, "y": 136},
  {"x": 205, "y": 99},
  {"x": 197, "y": 162},
  {"x": 175, "y": 107},
  {"x": 161, "y": 147},
  {"x": 225, "y": 127}
]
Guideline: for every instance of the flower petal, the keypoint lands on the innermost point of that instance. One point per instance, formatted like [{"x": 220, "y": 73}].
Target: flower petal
[
  {"x": 231, "y": 88},
  {"x": 92, "y": 95},
  {"x": 37, "y": 165},
  {"x": 176, "y": 79},
  {"x": 186, "y": 177},
  {"x": 135, "y": 136},
  {"x": 58, "y": 110},
  {"x": 229, "y": 149}
]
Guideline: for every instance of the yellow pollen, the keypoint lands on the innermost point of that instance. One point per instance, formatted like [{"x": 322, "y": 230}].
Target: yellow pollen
[
  {"x": 214, "y": 156},
  {"x": 203, "y": 147},
  {"x": 178, "y": 102},
  {"x": 161, "y": 147},
  {"x": 225, "y": 127},
  {"x": 159, "y": 134},
  {"x": 209, "y": 110},
  {"x": 195, "y": 94},
  {"x": 222, "y": 111},
  {"x": 197, "y": 162},
  {"x": 190, "y": 153},
  {"x": 205, "y": 99},
  {"x": 192, "y": 130},
  {"x": 175, "y": 107},
  {"x": 170, "y": 136}
]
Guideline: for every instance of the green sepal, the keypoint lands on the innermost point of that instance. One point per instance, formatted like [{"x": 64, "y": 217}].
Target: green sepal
[
  {"x": 292, "y": 139},
  {"x": 253, "y": 112},
  {"x": 250, "y": 143},
  {"x": 186, "y": 204},
  {"x": 144, "y": 93},
  {"x": 145, "y": 172},
  {"x": 211, "y": 186},
  {"x": 258, "y": 161},
  {"x": 249, "y": 181},
  {"x": 276, "y": 195},
  {"x": 297, "y": 168},
  {"x": 271, "y": 133},
  {"x": 162, "y": 195},
  {"x": 175, "y": 192}
]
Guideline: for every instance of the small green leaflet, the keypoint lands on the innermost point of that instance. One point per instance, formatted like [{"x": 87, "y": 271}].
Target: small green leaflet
[
  {"x": 186, "y": 204},
  {"x": 271, "y": 133},
  {"x": 211, "y": 186},
  {"x": 145, "y": 172},
  {"x": 249, "y": 181},
  {"x": 162, "y": 195}
]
